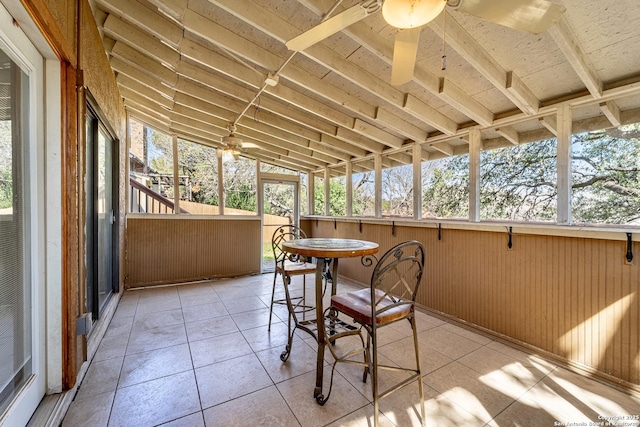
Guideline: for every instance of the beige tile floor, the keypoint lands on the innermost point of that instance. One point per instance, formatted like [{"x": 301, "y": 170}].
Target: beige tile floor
[{"x": 201, "y": 355}]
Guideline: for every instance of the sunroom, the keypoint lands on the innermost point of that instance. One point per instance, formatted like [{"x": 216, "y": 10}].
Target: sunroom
[{"x": 503, "y": 136}]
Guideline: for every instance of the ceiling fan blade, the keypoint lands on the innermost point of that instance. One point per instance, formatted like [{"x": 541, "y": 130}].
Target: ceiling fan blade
[
  {"x": 250, "y": 145},
  {"x": 327, "y": 28},
  {"x": 405, "y": 50},
  {"x": 531, "y": 16}
]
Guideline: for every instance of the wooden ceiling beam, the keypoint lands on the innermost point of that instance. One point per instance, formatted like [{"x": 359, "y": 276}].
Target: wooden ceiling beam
[
  {"x": 144, "y": 63},
  {"x": 612, "y": 111},
  {"x": 443, "y": 147},
  {"x": 510, "y": 134},
  {"x": 126, "y": 72},
  {"x": 377, "y": 134},
  {"x": 361, "y": 33},
  {"x": 460, "y": 40},
  {"x": 461, "y": 101},
  {"x": 420, "y": 109},
  {"x": 329, "y": 150},
  {"x": 152, "y": 21},
  {"x": 278, "y": 28},
  {"x": 146, "y": 115},
  {"x": 120, "y": 30},
  {"x": 394, "y": 122},
  {"x": 145, "y": 91},
  {"x": 338, "y": 144},
  {"x": 358, "y": 140},
  {"x": 572, "y": 49},
  {"x": 216, "y": 34},
  {"x": 140, "y": 99},
  {"x": 264, "y": 137},
  {"x": 550, "y": 123},
  {"x": 172, "y": 8}
]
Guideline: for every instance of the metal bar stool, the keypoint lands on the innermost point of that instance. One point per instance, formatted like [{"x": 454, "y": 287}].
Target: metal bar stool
[
  {"x": 288, "y": 265},
  {"x": 389, "y": 299}
]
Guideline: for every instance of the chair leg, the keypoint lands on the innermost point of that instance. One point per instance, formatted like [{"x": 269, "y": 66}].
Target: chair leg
[
  {"x": 304, "y": 294},
  {"x": 420, "y": 385},
  {"x": 287, "y": 350},
  {"x": 374, "y": 375},
  {"x": 367, "y": 358},
  {"x": 286, "y": 280},
  {"x": 273, "y": 294}
]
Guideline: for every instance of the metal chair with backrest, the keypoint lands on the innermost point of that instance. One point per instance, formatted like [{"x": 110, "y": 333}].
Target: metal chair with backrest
[
  {"x": 389, "y": 299},
  {"x": 288, "y": 265}
]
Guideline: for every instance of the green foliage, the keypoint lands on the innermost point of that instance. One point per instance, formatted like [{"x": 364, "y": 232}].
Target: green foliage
[
  {"x": 6, "y": 165},
  {"x": 242, "y": 197},
  {"x": 6, "y": 189},
  {"x": 397, "y": 191},
  {"x": 278, "y": 199},
  {"x": 446, "y": 188},
  {"x": 200, "y": 164},
  {"x": 606, "y": 176},
  {"x": 318, "y": 196},
  {"x": 337, "y": 197},
  {"x": 363, "y": 194},
  {"x": 240, "y": 184},
  {"x": 518, "y": 183}
]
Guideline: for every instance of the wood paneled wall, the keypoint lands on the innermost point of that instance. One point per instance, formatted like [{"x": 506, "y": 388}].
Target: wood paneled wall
[
  {"x": 573, "y": 297},
  {"x": 173, "y": 249}
]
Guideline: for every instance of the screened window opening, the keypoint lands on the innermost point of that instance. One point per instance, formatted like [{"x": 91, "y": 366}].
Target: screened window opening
[
  {"x": 240, "y": 186},
  {"x": 198, "y": 174},
  {"x": 445, "y": 189},
  {"x": 318, "y": 195},
  {"x": 605, "y": 171},
  {"x": 151, "y": 186},
  {"x": 397, "y": 191},
  {"x": 363, "y": 195},
  {"x": 519, "y": 183},
  {"x": 337, "y": 196},
  {"x": 304, "y": 194}
]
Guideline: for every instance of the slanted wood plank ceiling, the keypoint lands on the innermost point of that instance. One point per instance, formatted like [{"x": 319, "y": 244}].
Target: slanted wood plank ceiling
[{"x": 191, "y": 67}]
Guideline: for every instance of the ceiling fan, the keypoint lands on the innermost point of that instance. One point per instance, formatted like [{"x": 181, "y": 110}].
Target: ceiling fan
[
  {"x": 532, "y": 16},
  {"x": 234, "y": 145}
]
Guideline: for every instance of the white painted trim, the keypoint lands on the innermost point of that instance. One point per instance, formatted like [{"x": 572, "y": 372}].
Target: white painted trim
[
  {"x": 171, "y": 217},
  {"x": 586, "y": 232},
  {"x": 53, "y": 194},
  {"x": 475, "y": 145},
  {"x": 44, "y": 233},
  {"x": 349, "y": 187},
  {"x": 564, "y": 165},
  {"x": 417, "y": 180},
  {"x": 377, "y": 166},
  {"x": 327, "y": 191}
]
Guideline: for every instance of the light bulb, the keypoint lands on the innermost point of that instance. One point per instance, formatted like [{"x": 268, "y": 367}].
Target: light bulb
[{"x": 411, "y": 13}]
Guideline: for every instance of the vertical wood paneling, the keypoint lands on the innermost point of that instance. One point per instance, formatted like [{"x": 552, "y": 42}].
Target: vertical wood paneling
[
  {"x": 574, "y": 297},
  {"x": 174, "y": 250}
]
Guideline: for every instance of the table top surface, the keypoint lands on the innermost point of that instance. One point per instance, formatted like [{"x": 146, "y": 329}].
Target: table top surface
[{"x": 330, "y": 247}]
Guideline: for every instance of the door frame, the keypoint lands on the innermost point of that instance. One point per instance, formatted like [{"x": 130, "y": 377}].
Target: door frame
[
  {"x": 100, "y": 123},
  {"x": 283, "y": 179},
  {"x": 28, "y": 48}
]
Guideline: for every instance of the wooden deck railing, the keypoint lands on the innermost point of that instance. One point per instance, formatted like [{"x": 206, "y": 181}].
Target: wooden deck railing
[{"x": 142, "y": 199}]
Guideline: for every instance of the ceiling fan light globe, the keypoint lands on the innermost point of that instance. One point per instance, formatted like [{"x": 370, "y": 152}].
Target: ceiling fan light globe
[{"x": 411, "y": 13}]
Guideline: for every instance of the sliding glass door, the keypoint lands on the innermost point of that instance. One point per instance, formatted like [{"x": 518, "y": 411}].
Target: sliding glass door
[
  {"x": 102, "y": 214},
  {"x": 22, "y": 376}
]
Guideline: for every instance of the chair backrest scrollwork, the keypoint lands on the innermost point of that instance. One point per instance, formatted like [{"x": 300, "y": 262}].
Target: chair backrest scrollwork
[
  {"x": 285, "y": 233},
  {"x": 397, "y": 276}
]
